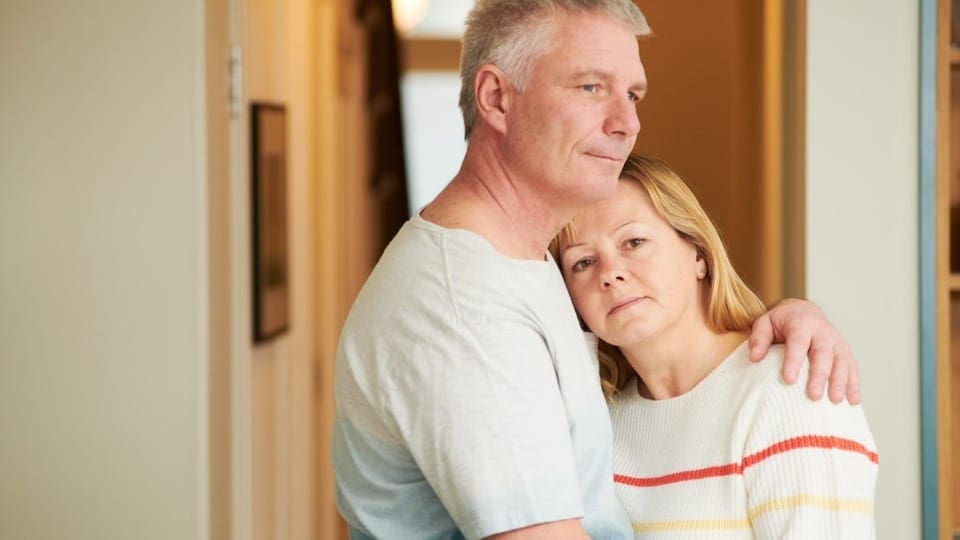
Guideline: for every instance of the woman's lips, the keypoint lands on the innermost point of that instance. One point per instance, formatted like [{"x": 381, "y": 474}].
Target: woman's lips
[{"x": 623, "y": 304}]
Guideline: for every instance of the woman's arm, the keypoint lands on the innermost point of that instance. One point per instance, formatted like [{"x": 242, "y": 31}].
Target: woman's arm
[{"x": 809, "y": 467}]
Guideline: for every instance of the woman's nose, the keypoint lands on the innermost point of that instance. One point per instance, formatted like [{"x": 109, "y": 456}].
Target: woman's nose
[{"x": 612, "y": 277}]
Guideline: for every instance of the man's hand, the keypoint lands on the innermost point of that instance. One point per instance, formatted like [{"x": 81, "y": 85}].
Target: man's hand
[{"x": 806, "y": 332}]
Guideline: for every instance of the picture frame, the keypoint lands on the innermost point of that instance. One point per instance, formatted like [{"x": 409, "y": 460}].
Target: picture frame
[{"x": 270, "y": 238}]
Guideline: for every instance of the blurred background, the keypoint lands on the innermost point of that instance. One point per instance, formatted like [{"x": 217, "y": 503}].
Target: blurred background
[{"x": 137, "y": 398}]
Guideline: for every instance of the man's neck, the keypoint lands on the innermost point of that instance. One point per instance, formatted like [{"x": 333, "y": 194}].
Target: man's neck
[{"x": 487, "y": 198}]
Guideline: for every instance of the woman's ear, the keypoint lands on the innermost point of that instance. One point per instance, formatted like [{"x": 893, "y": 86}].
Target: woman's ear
[
  {"x": 702, "y": 268},
  {"x": 493, "y": 93}
]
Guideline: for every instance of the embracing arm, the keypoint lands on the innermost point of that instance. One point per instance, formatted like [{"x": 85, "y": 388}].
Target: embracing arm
[
  {"x": 568, "y": 529},
  {"x": 806, "y": 332},
  {"x": 489, "y": 433}
]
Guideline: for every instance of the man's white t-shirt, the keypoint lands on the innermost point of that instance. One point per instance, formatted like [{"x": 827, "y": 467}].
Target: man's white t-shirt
[{"x": 467, "y": 402}]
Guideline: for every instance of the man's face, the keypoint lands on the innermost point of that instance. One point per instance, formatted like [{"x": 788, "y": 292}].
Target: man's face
[{"x": 572, "y": 129}]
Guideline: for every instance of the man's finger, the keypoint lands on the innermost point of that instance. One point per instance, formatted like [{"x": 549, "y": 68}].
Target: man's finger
[
  {"x": 821, "y": 359},
  {"x": 761, "y": 338},
  {"x": 853, "y": 382},
  {"x": 839, "y": 375},
  {"x": 797, "y": 345}
]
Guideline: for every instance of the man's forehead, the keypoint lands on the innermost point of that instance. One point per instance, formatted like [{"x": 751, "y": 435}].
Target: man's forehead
[{"x": 595, "y": 45}]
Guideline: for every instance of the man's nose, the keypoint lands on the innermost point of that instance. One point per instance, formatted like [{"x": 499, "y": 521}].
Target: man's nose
[{"x": 622, "y": 118}]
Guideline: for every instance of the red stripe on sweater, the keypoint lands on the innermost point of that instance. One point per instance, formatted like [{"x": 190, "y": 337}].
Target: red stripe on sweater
[
  {"x": 682, "y": 476},
  {"x": 795, "y": 443},
  {"x": 810, "y": 441}
]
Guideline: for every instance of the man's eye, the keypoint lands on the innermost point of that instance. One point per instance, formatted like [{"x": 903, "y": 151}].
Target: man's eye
[
  {"x": 581, "y": 265},
  {"x": 632, "y": 96},
  {"x": 590, "y": 88}
]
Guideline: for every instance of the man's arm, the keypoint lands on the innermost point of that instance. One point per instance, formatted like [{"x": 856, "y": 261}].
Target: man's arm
[
  {"x": 481, "y": 413},
  {"x": 806, "y": 332},
  {"x": 567, "y": 529}
]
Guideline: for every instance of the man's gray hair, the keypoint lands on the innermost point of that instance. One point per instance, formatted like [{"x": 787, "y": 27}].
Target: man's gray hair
[{"x": 513, "y": 34}]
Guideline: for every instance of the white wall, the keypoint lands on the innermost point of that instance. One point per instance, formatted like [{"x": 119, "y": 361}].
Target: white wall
[
  {"x": 862, "y": 246},
  {"x": 103, "y": 330}
]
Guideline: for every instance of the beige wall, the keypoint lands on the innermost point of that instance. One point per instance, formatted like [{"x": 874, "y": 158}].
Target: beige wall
[
  {"x": 277, "y": 38},
  {"x": 103, "y": 335},
  {"x": 862, "y": 250}
]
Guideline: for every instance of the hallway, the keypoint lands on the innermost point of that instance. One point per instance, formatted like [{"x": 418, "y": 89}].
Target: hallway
[{"x": 134, "y": 400}]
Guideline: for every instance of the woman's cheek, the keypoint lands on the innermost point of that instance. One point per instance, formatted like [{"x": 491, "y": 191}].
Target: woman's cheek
[{"x": 587, "y": 308}]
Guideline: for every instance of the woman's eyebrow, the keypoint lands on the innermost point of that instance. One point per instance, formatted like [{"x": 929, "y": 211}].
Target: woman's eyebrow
[{"x": 624, "y": 225}]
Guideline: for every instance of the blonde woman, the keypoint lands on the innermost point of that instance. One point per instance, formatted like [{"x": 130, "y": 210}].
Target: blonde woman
[{"x": 706, "y": 442}]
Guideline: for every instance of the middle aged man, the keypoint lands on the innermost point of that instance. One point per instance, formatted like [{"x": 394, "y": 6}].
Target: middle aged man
[{"x": 467, "y": 402}]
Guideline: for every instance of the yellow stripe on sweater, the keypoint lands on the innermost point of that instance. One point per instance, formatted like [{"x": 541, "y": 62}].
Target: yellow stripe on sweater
[
  {"x": 826, "y": 503},
  {"x": 692, "y": 524},
  {"x": 805, "y": 499}
]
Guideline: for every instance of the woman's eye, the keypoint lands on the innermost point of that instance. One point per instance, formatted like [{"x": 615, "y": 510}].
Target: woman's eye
[
  {"x": 590, "y": 88},
  {"x": 581, "y": 265},
  {"x": 635, "y": 242}
]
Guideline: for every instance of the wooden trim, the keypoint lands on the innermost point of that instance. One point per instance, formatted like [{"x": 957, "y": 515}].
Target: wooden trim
[
  {"x": 429, "y": 54},
  {"x": 241, "y": 399},
  {"x": 936, "y": 405},
  {"x": 945, "y": 434},
  {"x": 330, "y": 45},
  {"x": 795, "y": 149},
  {"x": 326, "y": 302},
  {"x": 220, "y": 283},
  {"x": 772, "y": 142},
  {"x": 948, "y": 435}
]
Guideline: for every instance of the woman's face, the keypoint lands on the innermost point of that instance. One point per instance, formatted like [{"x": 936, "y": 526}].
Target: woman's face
[{"x": 631, "y": 276}]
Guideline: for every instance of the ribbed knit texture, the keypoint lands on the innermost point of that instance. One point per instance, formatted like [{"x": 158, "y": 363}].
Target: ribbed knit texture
[{"x": 742, "y": 455}]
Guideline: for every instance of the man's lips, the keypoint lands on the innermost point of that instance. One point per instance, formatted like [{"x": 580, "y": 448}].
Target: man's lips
[
  {"x": 607, "y": 157},
  {"x": 625, "y": 303}
]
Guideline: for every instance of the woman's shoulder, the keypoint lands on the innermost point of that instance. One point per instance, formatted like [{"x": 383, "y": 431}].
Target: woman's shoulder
[
  {"x": 771, "y": 368},
  {"x": 759, "y": 374},
  {"x": 784, "y": 412}
]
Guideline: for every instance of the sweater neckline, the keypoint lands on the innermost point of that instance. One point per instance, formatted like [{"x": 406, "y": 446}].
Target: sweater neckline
[{"x": 631, "y": 394}]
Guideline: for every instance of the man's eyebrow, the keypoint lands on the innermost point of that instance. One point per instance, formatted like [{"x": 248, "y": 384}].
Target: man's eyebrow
[
  {"x": 592, "y": 73},
  {"x": 606, "y": 75}
]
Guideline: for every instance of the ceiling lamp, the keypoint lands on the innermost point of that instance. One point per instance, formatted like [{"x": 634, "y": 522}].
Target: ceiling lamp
[{"x": 407, "y": 13}]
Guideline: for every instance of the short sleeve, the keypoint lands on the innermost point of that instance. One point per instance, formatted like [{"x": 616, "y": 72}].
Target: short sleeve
[
  {"x": 809, "y": 467},
  {"x": 483, "y": 417}
]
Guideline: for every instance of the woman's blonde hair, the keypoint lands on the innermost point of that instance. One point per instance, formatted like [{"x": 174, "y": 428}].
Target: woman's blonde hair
[{"x": 730, "y": 304}]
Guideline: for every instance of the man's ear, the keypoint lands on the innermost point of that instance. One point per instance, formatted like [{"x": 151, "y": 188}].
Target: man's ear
[{"x": 494, "y": 95}]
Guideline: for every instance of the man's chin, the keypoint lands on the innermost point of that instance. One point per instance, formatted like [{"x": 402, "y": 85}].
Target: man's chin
[{"x": 605, "y": 187}]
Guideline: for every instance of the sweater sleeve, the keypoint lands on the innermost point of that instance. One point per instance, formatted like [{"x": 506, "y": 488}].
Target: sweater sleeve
[{"x": 809, "y": 468}]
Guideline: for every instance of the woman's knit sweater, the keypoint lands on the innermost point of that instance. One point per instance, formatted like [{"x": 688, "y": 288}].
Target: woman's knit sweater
[{"x": 742, "y": 455}]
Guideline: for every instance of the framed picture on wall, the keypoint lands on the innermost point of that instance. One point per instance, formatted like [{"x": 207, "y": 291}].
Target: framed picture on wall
[{"x": 271, "y": 272}]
